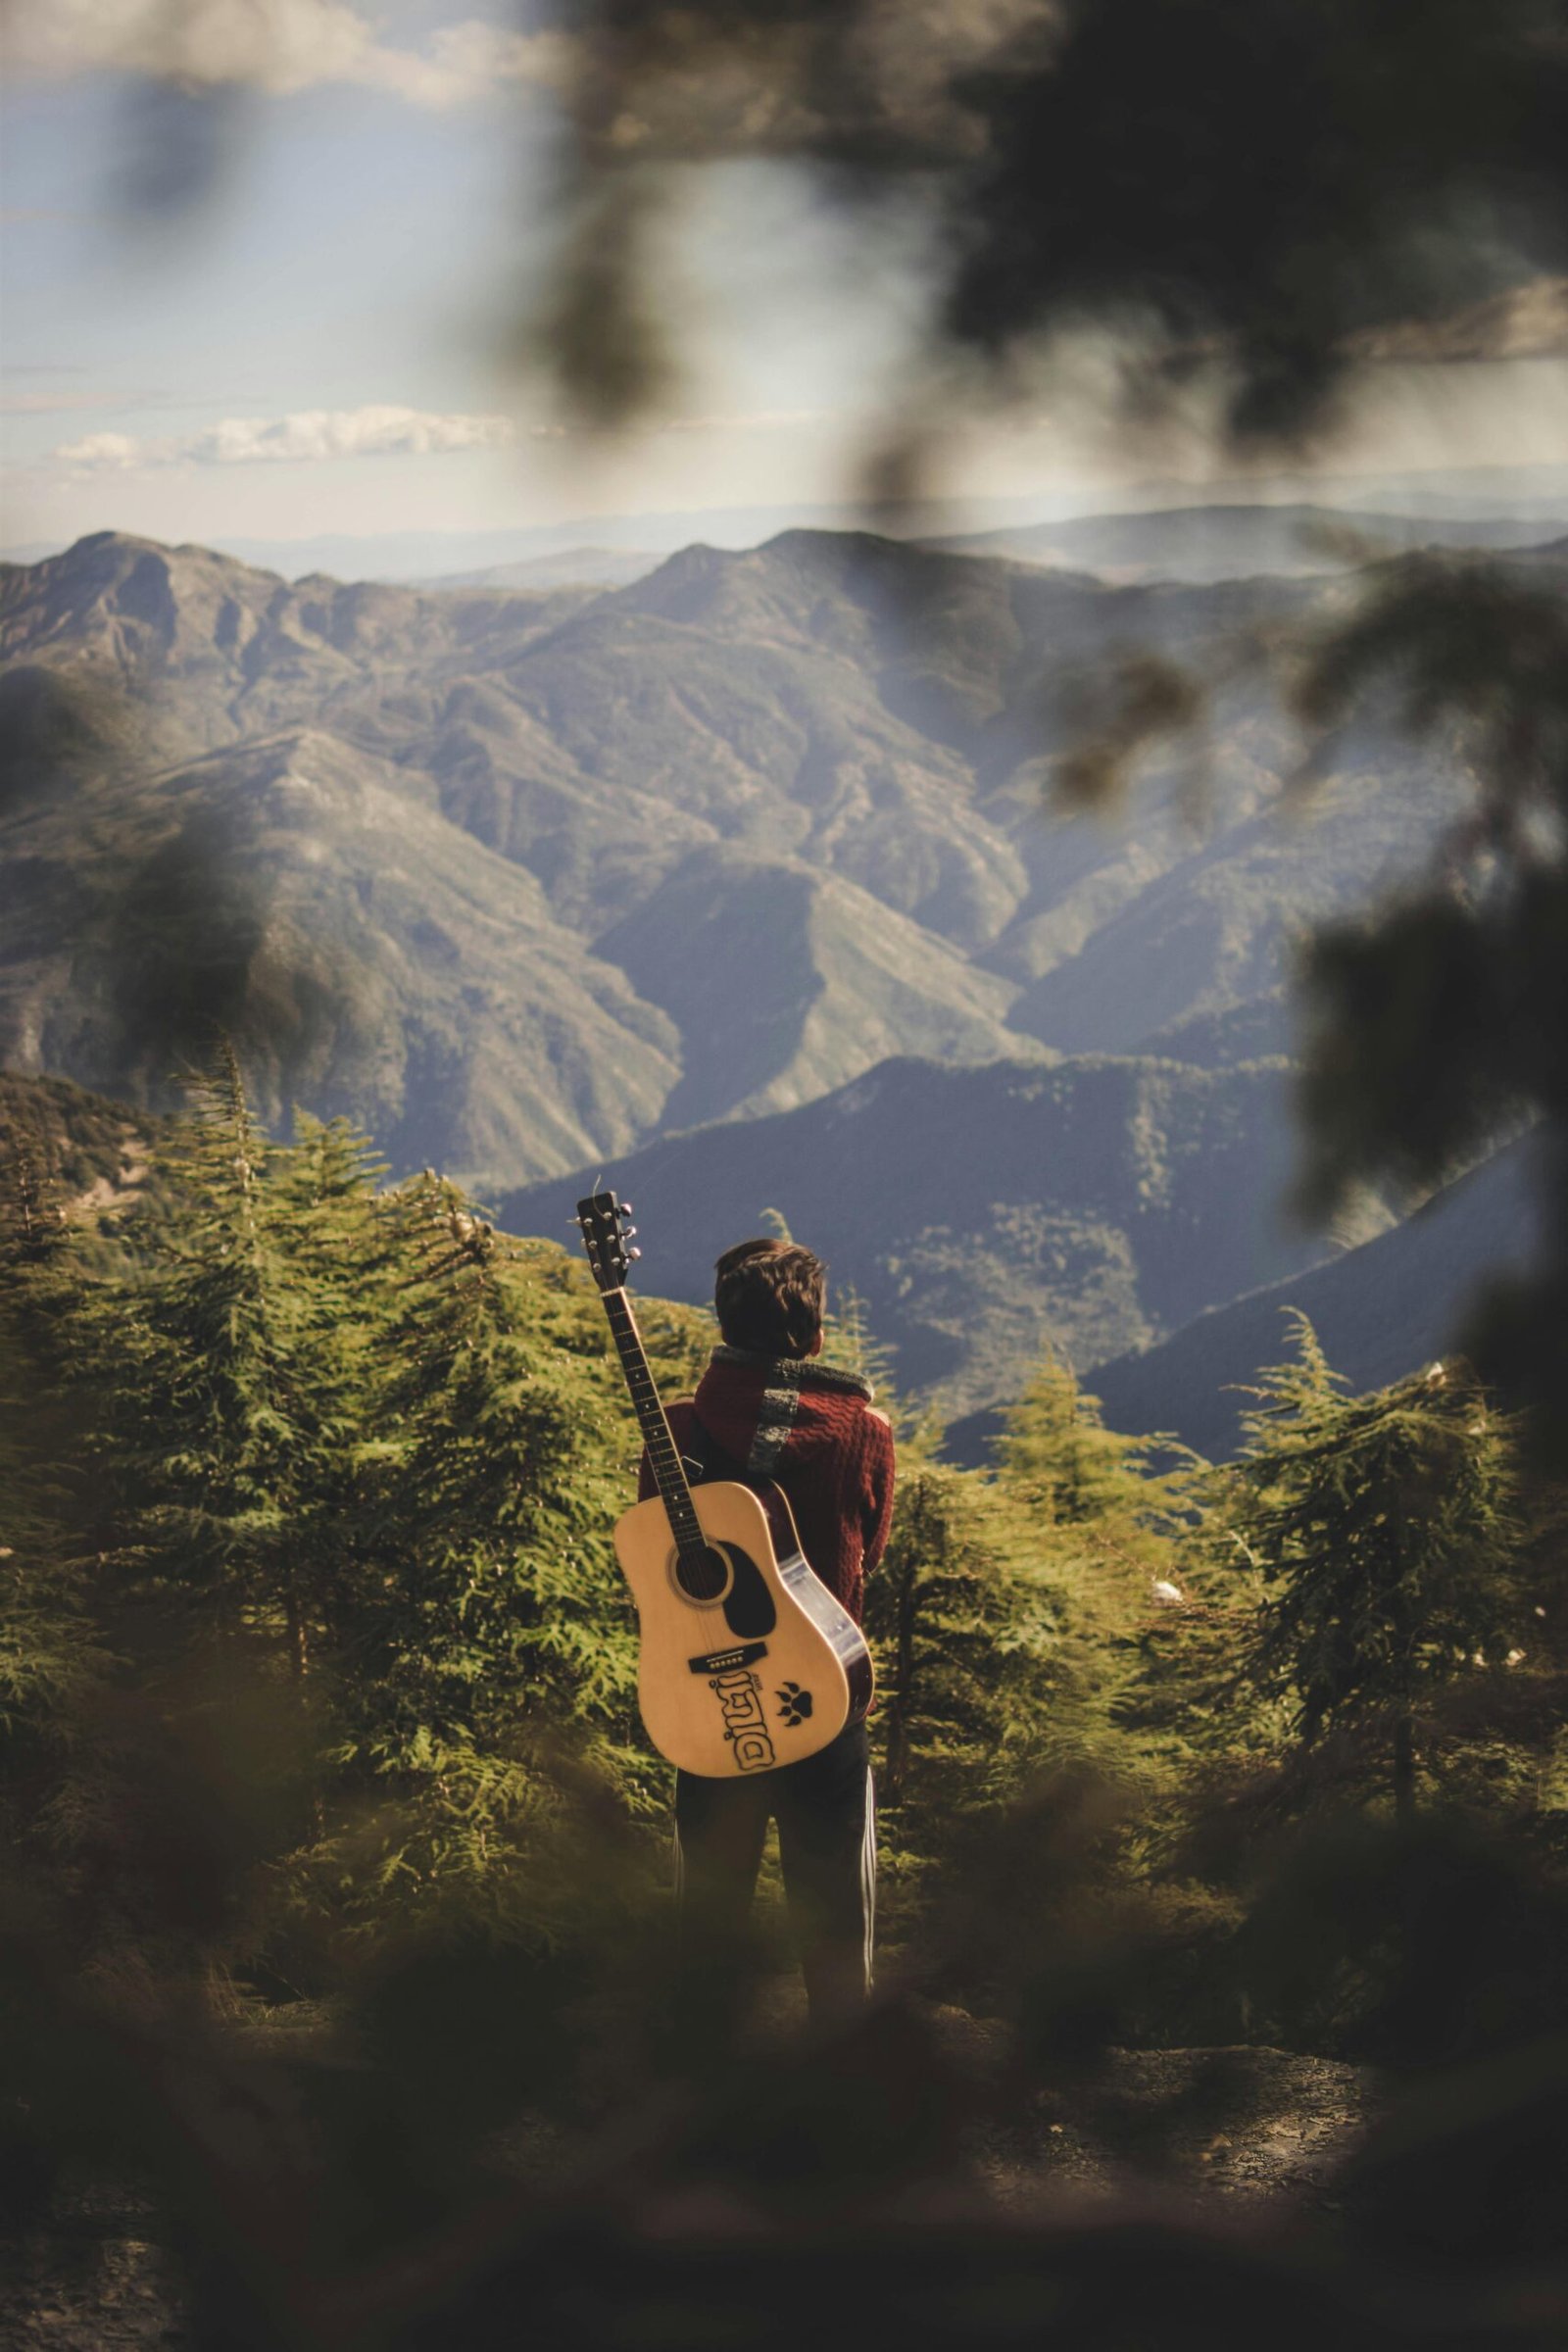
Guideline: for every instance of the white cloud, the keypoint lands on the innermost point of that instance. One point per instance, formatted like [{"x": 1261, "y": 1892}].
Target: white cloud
[
  {"x": 312, "y": 434},
  {"x": 278, "y": 46},
  {"x": 309, "y": 435}
]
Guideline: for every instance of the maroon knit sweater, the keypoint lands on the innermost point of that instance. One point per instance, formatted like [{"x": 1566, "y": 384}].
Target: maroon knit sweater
[{"x": 814, "y": 1430}]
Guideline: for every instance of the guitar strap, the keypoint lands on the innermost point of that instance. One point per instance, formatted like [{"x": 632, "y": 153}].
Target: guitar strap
[{"x": 712, "y": 1462}]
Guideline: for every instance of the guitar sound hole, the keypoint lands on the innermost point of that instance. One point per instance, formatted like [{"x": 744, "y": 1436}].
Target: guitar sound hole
[{"x": 703, "y": 1577}]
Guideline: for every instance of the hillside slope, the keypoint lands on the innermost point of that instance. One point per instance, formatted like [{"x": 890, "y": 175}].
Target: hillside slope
[
  {"x": 529, "y": 883},
  {"x": 364, "y": 955},
  {"x": 1381, "y": 1310},
  {"x": 983, "y": 1214}
]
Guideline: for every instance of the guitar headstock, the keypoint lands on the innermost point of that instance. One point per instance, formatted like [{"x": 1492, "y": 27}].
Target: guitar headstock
[{"x": 606, "y": 1234}]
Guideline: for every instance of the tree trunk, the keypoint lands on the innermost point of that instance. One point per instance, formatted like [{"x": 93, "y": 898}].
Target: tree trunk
[
  {"x": 903, "y": 1673},
  {"x": 1404, "y": 1770},
  {"x": 299, "y": 1648}
]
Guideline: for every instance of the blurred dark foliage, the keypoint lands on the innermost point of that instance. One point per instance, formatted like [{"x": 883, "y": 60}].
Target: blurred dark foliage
[
  {"x": 1274, "y": 179},
  {"x": 1258, "y": 197},
  {"x": 1114, "y": 716},
  {"x": 178, "y": 144},
  {"x": 1441, "y": 1021},
  {"x": 1426, "y": 1945},
  {"x": 51, "y": 727},
  {"x": 1471, "y": 658},
  {"x": 1256, "y": 189},
  {"x": 186, "y": 935},
  {"x": 451, "y": 2161}
]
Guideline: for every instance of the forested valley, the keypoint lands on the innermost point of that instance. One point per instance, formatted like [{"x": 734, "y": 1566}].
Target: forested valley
[{"x": 340, "y": 1861}]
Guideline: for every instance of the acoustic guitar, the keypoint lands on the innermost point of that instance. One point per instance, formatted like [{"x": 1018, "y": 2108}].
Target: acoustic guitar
[{"x": 747, "y": 1661}]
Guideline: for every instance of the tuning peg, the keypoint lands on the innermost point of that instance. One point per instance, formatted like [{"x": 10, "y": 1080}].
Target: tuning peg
[
  {"x": 625, "y": 1208},
  {"x": 630, "y": 1230},
  {"x": 634, "y": 1254}
]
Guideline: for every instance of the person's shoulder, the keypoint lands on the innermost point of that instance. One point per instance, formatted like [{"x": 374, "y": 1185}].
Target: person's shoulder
[{"x": 877, "y": 1432}]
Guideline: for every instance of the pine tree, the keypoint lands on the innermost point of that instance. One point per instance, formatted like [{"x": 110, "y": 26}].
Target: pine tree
[
  {"x": 1056, "y": 1454},
  {"x": 1108, "y": 1533},
  {"x": 50, "y": 1655},
  {"x": 226, "y": 1363},
  {"x": 964, "y": 1641},
  {"x": 1386, "y": 1530},
  {"x": 847, "y": 1339},
  {"x": 483, "y": 1640}
]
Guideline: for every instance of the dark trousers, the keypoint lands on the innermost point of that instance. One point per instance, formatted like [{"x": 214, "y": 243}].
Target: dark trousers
[{"x": 825, "y": 1811}]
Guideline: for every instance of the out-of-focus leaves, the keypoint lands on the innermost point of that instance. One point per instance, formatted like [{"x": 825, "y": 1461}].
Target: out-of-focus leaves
[
  {"x": 185, "y": 935},
  {"x": 178, "y": 141},
  {"x": 600, "y": 333},
  {"x": 1260, "y": 184},
  {"x": 1474, "y": 651},
  {"x": 1249, "y": 194},
  {"x": 53, "y": 726},
  {"x": 1117, "y": 715},
  {"x": 1439, "y": 1020},
  {"x": 1470, "y": 2165},
  {"x": 1425, "y": 1946}
]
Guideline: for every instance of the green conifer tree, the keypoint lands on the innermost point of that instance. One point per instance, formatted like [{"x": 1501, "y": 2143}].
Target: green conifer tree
[
  {"x": 224, "y": 1362},
  {"x": 1108, "y": 1532},
  {"x": 50, "y": 1654},
  {"x": 964, "y": 1640},
  {"x": 484, "y": 1636},
  {"x": 1387, "y": 1533}
]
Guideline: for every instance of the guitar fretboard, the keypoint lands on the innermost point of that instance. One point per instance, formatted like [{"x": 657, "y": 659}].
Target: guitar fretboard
[{"x": 664, "y": 1455}]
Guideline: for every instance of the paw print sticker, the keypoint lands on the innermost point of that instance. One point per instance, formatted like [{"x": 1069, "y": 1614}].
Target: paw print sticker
[{"x": 797, "y": 1704}]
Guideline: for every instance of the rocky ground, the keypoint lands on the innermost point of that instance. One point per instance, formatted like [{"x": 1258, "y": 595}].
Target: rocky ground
[
  {"x": 1246, "y": 2124},
  {"x": 1249, "y": 2127},
  {"x": 88, "y": 2277}
]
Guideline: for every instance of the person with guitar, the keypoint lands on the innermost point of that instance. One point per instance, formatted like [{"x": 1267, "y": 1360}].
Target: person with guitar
[{"x": 768, "y": 1412}]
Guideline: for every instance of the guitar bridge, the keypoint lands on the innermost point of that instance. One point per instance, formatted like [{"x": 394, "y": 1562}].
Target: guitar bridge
[{"x": 727, "y": 1661}]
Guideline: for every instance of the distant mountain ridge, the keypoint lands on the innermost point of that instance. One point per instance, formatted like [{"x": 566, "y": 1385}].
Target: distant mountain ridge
[
  {"x": 529, "y": 881},
  {"x": 1381, "y": 1310},
  {"x": 1209, "y": 543},
  {"x": 1531, "y": 494},
  {"x": 982, "y": 1214},
  {"x": 571, "y": 567}
]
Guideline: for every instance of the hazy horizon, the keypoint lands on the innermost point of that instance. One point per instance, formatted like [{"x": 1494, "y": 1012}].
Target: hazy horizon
[
  {"x": 1527, "y": 490},
  {"x": 326, "y": 346}
]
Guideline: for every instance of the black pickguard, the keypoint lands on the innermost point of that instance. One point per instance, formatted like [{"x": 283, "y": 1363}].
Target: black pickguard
[
  {"x": 749, "y": 1609},
  {"x": 829, "y": 1615}
]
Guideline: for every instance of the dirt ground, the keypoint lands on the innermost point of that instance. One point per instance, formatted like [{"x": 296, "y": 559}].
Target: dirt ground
[{"x": 1245, "y": 2126}]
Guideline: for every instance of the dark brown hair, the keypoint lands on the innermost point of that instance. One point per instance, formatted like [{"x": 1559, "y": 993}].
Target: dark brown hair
[{"x": 768, "y": 1297}]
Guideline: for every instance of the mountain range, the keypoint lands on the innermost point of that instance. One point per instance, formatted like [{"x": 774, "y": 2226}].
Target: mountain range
[
  {"x": 1243, "y": 542},
  {"x": 983, "y": 1214},
  {"x": 528, "y": 881},
  {"x": 1397, "y": 1300},
  {"x": 1535, "y": 496}
]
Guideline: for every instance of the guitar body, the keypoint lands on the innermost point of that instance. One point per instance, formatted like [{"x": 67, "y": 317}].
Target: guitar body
[{"x": 759, "y": 1672}]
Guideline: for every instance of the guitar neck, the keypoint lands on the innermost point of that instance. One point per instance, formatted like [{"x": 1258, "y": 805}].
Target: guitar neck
[{"x": 664, "y": 1455}]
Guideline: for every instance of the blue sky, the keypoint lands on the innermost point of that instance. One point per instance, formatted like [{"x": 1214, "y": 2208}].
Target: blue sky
[
  {"x": 362, "y": 252},
  {"x": 319, "y": 345}
]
